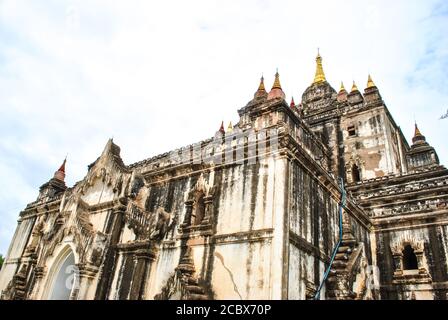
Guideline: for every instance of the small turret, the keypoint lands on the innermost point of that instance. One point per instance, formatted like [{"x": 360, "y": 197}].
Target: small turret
[
  {"x": 371, "y": 92},
  {"x": 55, "y": 185},
  {"x": 370, "y": 83},
  {"x": 221, "y": 129},
  {"x": 276, "y": 91},
  {"x": 421, "y": 154},
  {"x": 418, "y": 138},
  {"x": 261, "y": 92},
  {"x": 60, "y": 173},
  {"x": 342, "y": 94},
  {"x": 355, "y": 96}
]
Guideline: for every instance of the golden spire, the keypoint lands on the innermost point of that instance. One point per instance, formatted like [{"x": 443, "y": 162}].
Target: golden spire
[
  {"x": 342, "y": 87},
  {"x": 277, "y": 84},
  {"x": 320, "y": 75},
  {"x": 230, "y": 127},
  {"x": 370, "y": 83},
  {"x": 418, "y": 137},
  {"x": 417, "y": 131},
  {"x": 354, "y": 87},
  {"x": 261, "y": 86}
]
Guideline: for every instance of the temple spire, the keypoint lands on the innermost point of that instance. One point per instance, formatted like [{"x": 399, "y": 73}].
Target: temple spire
[
  {"x": 276, "y": 91},
  {"x": 221, "y": 129},
  {"x": 293, "y": 104},
  {"x": 261, "y": 86},
  {"x": 277, "y": 84},
  {"x": 354, "y": 87},
  {"x": 60, "y": 173},
  {"x": 418, "y": 137},
  {"x": 230, "y": 127},
  {"x": 370, "y": 83},
  {"x": 417, "y": 132},
  {"x": 261, "y": 91},
  {"x": 320, "y": 75},
  {"x": 342, "y": 94}
]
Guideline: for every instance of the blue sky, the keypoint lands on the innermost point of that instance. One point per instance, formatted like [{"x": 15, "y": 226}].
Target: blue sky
[{"x": 157, "y": 75}]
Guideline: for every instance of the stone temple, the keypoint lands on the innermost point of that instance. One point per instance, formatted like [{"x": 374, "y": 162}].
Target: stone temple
[{"x": 320, "y": 200}]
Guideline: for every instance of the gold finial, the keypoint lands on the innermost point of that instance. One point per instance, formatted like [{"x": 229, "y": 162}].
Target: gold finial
[
  {"x": 417, "y": 131},
  {"x": 418, "y": 137},
  {"x": 230, "y": 127},
  {"x": 354, "y": 87},
  {"x": 261, "y": 86},
  {"x": 320, "y": 75},
  {"x": 277, "y": 84},
  {"x": 370, "y": 83},
  {"x": 342, "y": 87}
]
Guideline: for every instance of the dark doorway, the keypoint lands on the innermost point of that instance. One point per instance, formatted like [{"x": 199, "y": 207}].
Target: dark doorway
[
  {"x": 356, "y": 175},
  {"x": 199, "y": 209},
  {"x": 409, "y": 259}
]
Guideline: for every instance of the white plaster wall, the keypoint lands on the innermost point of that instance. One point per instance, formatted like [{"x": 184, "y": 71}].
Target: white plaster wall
[
  {"x": 113, "y": 294},
  {"x": 242, "y": 271},
  {"x": 296, "y": 287},
  {"x": 20, "y": 239},
  {"x": 127, "y": 234},
  {"x": 257, "y": 267},
  {"x": 98, "y": 219},
  {"x": 15, "y": 251},
  {"x": 162, "y": 270},
  {"x": 301, "y": 271},
  {"x": 235, "y": 202},
  {"x": 98, "y": 193}
]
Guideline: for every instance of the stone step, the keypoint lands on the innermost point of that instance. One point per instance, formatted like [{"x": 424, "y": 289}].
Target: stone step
[
  {"x": 195, "y": 289},
  {"x": 338, "y": 264},
  {"x": 349, "y": 242},
  {"x": 198, "y": 297},
  {"x": 342, "y": 256},
  {"x": 345, "y": 249},
  {"x": 192, "y": 281}
]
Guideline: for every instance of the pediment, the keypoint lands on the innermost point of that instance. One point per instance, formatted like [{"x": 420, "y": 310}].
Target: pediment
[{"x": 106, "y": 177}]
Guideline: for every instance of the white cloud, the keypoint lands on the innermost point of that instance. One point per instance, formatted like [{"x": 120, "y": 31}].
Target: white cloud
[{"x": 159, "y": 75}]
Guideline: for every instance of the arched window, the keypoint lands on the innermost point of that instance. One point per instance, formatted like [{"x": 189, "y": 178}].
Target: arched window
[
  {"x": 64, "y": 277},
  {"x": 356, "y": 175},
  {"x": 199, "y": 209},
  {"x": 409, "y": 258}
]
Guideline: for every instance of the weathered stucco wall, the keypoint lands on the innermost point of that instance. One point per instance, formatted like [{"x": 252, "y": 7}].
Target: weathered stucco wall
[
  {"x": 15, "y": 252},
  {"x": 374, "y": 146},
  {"x": 435, "y": 242},
  {"x": 409, "y": 210},
  {"x": 236, "y": 260},
  {"x": 314, "y": 231}
]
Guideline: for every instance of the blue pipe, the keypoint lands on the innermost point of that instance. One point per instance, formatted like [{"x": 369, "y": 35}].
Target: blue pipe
[{"x": 335, "y": 251}]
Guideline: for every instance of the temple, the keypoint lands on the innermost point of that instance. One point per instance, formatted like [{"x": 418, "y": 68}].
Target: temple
[{"x": 260, "y": 210}]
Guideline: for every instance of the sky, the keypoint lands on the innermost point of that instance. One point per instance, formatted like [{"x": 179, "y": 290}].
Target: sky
[{"x": 158, "y": 75}]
